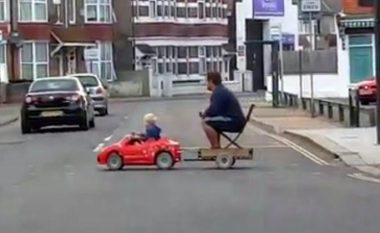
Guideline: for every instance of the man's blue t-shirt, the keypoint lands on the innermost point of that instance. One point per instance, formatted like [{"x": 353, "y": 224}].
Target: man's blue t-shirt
[
  {"x": 225, "y": 104},
  {"x": 153, "y": 131}
]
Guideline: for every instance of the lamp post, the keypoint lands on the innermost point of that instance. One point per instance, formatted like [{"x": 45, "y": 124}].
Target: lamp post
[{"x": 377, "y": 52}]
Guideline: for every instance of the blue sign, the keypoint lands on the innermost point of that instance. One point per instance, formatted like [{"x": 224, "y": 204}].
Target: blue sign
[
  {"x": 268, "y": 8},
  {"x": 287, "y": 38}
]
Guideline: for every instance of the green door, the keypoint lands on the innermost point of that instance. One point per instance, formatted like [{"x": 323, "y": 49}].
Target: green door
[{"x": 361, "y": 66}]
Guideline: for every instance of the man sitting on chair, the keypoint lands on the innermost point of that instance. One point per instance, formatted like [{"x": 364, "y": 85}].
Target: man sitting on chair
[{"x": 224, "y": 113}]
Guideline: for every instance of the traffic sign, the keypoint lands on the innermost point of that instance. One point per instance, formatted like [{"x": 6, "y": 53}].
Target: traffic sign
[{"x": 311, "y": 5}]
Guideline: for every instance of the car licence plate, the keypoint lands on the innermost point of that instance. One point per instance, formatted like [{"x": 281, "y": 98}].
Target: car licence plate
[
  {"x": 365, "y": 92},
  {"x": 52, "y": 114}
]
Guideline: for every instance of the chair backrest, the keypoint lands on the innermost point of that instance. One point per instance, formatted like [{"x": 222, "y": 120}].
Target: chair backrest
[{"x": 248, "y": 116}]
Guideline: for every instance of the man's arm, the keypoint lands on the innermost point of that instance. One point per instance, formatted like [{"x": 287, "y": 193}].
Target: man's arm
[{"x": 216, "y": 106}]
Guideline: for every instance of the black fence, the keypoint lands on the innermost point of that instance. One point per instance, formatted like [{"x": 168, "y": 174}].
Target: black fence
[{"x": 350, "y": 113}]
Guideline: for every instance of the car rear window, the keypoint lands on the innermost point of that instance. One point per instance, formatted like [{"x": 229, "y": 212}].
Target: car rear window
[
  {"x": 54, "y": 85},
  {"x": 88, "y": 81}
]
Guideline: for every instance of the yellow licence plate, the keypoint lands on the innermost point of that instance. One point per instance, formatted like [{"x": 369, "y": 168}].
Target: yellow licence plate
[{"x": 52, "y": 114}]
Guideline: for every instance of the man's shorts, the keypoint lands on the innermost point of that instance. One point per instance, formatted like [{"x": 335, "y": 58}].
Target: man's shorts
[{"x": 224, "y": 124}]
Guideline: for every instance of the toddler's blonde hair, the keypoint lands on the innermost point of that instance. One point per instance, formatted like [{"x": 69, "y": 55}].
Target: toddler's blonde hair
[{"x": 150, "y": 118}]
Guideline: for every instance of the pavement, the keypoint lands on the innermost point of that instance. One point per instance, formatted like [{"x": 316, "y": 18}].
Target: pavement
[
  {"x": 356, "y": 147},
  {"x": 50, "y": 182},
  {"x": 9, "y": 113}
]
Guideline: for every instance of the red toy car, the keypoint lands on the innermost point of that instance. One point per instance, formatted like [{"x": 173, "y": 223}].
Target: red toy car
[
  {"x": 367, "y": 91},
  {"x": 163, "y": 153}
]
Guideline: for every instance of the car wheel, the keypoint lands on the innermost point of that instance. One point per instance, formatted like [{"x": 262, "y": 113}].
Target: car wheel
[
  {"x": 114, "y": 162},
  {"x": 25, "y": 127},
  {"x": 92, "y": 122},
  {"x": 84, "y": 124},
  {"x": 363, "y": 102},
  {"x": 164, "y": 160},
  {"x": 224, "y": 161},
  {"x": 103, "y": 111}
]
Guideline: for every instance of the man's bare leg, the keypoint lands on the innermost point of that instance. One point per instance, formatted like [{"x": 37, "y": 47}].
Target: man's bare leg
[{"x": 212, "y": 135}]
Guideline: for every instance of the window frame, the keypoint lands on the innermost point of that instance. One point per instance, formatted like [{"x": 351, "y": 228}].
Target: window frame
[
  {"x": 5, "y": 11},
  {"x": 33, "y": 11},
  {"x": 73, "y": 12},
  {"x": 34, "y": 61},
  {"x": 98, "y": 5}
]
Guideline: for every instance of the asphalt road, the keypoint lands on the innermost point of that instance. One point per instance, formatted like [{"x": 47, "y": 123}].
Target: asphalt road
[{"x": 49, "y": 183}]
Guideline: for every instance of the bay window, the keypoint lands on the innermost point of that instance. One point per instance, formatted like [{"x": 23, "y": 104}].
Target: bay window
[
  {"x": 3, "y": 10},
  {"x": 32, "y": 11},
  {"x": 34, "y": 59},
  {"x": 98, "y": 11}
]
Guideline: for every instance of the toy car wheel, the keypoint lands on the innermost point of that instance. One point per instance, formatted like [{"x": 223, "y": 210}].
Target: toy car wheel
[
  {"x": 225, "y": 161},
  {"x": 114, "y": 162},
  {"x": 164, "y": 160}
]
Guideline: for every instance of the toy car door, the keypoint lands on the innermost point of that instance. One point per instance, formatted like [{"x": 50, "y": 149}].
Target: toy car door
[{"x": 132, "y": 151}]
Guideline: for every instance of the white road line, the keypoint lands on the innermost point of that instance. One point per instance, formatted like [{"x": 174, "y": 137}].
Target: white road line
[
  {"x": 363, "y": 177},
  {"x": 108, "y": 138},
  {"x": 292, "y": 145},
  {"x": 99, "y": 147}
]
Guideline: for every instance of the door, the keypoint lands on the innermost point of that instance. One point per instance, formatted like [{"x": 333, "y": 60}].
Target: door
[
  {"x": 71, "y": 62},
  {"x": 254, "y": 53},
  {"x": 361, "y": 65}
]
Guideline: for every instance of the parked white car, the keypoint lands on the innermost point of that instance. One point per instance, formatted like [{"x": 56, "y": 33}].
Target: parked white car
[{"x": 97, "y": 89}]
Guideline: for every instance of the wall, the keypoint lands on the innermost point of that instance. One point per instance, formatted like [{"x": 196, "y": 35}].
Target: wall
[
  {"x": 325, "y": 85},
  {"x": 352, "y": 7},
  {"x": 289, "y": 24},
  {"x": 131, "y": 83}
]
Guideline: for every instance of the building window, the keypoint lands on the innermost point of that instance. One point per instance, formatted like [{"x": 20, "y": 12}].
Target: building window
[
  {"x": 143, "y": 11},
  {"x": 160, "y": 8},
  {"x": 34, "y": 60},
  {"x": 182, "y": 52},
  {"x": 32, "y": 11},
  {"x": 152, "y": 9},
  {"x": 167, "y": 9},
  {"x": 106, "y": 61},
  {"x": 201, "y": 10},
  {"x": 98, "y": 11},
  {"x": 2, "y": 53},
  {"x": 192, "y": 12},
  {"x": 3, "y": 10},
  {"x": 181, "y": 12},
  {"x": 193, "y": 52},
  {"x": 182, "y": 68},
  {"x": 193, "y": 67},
  {"x": 208, "y": 12},
  {"x": 72, "y": 11}
]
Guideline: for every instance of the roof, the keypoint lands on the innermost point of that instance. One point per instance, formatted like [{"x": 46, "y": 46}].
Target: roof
[
  {"x": 230, "y": 48},
  {"x": 82, "y": 74},
  {"x": 56, "y": 78},
  {"x": 332, "y": 5},
  {"x": 146, "y": 49}
]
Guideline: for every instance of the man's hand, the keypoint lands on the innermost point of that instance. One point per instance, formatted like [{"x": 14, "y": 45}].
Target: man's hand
[{"x": 201, "y": 115}]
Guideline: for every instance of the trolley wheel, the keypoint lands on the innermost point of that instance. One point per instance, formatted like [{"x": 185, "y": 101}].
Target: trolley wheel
[
  {"x": 164, "y": 160},
  {"x": 225, "y": 161},
  {"x": 115, "y": 162}
]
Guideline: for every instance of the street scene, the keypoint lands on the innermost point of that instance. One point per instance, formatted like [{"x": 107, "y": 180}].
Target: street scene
[
  {"x": 196, "y": 116},
  {"x": 50, "y": 182}
]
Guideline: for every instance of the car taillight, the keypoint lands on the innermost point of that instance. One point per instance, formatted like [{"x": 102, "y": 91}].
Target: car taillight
[
  {"x": 74, "y": 98},
  {"x": 99, "y": 90}
]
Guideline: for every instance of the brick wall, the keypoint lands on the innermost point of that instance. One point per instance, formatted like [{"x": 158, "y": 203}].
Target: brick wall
[{"x": 352, "y": 7}]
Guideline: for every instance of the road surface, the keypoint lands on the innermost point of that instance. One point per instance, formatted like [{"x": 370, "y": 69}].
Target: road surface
[{"x": 49, "y": 183}]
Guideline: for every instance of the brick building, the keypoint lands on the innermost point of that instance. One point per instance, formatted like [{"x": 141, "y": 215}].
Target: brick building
[
  {"x": 185, "y": 38},
  {"x": 55, "y": 37}
]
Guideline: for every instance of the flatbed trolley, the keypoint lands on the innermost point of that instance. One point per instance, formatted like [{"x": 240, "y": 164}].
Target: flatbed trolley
[{"x": 226, "y": 157}]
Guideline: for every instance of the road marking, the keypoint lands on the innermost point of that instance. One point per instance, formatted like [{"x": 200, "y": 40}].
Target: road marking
[
  {"x": 99, "y": 147},
  {"x": 363, "y": 177},
  {"x": 292, "y": 145},
  {"x": 108, "y": 138}
]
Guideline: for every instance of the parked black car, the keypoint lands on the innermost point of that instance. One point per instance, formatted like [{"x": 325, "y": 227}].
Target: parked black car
[{"x": 56, "y": 101}]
